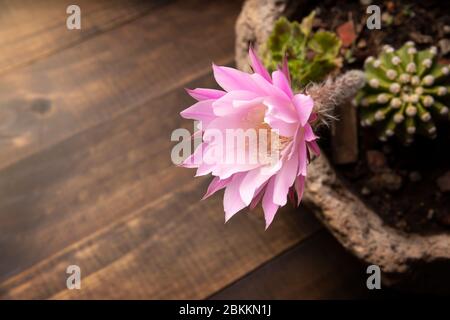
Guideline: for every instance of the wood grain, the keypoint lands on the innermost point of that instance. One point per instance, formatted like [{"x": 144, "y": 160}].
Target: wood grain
[
  {"x": 33, "y": 30},
  {"x": 317, "y": 268},
  {"x": 78, "y": 88},
  {"x": 175, "y": 247}
]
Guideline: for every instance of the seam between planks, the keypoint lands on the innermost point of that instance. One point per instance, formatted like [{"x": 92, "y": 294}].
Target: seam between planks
[
  {"x": 315, "y": 233},
  {"x": 46, "y": 55},
  {"x": 301, "y": 242},
  {"x": 123, "y": 219}
]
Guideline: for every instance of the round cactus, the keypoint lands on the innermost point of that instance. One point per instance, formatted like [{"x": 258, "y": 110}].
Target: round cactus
[{"x": 405, "y": 93}]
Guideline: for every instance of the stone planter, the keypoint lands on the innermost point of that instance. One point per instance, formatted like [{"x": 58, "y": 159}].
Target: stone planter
[{"x": 355, "y": 225}]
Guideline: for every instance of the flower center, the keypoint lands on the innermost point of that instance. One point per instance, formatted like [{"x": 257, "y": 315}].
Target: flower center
[{"x": 269, "y": 143}]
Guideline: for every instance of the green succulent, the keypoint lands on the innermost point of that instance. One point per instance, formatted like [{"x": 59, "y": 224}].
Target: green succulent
[
  {"x": 405, "y": 92},
  {"x": 311, "y": 55}
]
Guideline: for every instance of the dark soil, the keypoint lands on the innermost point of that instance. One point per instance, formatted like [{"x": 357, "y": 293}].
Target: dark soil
[
  {"x": 415, "y": 203},
  {"x": 400, "y": 182}
]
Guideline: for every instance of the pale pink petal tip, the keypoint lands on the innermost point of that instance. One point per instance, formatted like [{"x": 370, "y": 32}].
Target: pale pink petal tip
[
  {"x": 201, "y": 110},
  {"x": 205, "y": 93},
  {"x": 280, "y": 81},
  {"x": 299, "y": 188},
  {"x": 257, "y": 65},
  {"x": 256, "y": 200},
  {"x": 269, "y": 207},
  {"x": 314, "y": 147},
  {"x": 304, "y": 106},
  {"x": 232, "y": 201},
  {"x": 285, "y": 69},
  {"x": 215, "y": 185},
  {"x": 231, "y": 79}
]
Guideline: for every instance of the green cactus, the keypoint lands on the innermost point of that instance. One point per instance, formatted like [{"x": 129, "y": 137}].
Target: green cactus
[
  {"x": 311, "y": 55},
  {"x": 405, "y": 93}
]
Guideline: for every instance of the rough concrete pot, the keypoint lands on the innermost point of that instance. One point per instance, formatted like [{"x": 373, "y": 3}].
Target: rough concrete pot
[{"x": 356, "y": 226}]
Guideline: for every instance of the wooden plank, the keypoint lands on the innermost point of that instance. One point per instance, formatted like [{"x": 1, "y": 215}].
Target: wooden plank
[
  {"x": 32, "y": 30},
  {"x": 175, "y": 248},
  {"x": 53, "y": 99},
  {"x": 317, "y": 268}
]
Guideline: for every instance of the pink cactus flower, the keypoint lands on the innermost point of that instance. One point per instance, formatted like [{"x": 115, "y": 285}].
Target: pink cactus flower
[{"x": 257, "y": 101}]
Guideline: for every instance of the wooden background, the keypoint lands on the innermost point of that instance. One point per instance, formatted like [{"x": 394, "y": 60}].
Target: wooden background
[{"x": 85, "y": 170}]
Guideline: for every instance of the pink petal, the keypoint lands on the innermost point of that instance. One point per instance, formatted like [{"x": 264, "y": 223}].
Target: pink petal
[
  {"x": 309, "y": 133},
  {"x": 285, "y": 69},
  {"x": 195, "y": 159},
  {"x": 205, "y": 94},
  {"x": 225, "y": 105},
  {"x": 299, "y": 188},
  {"x": 269, "y": 207},
  {"x": 314, "y": 147},
  {"x": 189, "y": 162},
  {"x": 216, "y": 185},
  {"x": 211, "y": 153},
  {"x": 313, "y": 117},
  {"x": 302, "y": 158},
  {"x": 259, "y": 195},
  {"x": 251, "y": 182},
  {"x": 232, "y": 201},
  {"x": 291, "y": 196},
  {"x": 204, "y": 169},
  {"x": 201, "y": 110},
  {"x": 266, "y": 88},
  {"x": 304, "y": 105},
  {"x": 283, "y": 128},
  {"x": 249, "y": 103},
  {"x": 298, "y": 138},
  {"x": 281, "y": 109},
  {"x": 226, "y": 170},
  {"x": 280, "y": 81},
  {"x": 285, "y": 179},
  {"x": 230, "y": 121},
  {"x": 257, "y": 65},
  {"x": 226, "y": 158},
  {"x": 231, "y": 79}
]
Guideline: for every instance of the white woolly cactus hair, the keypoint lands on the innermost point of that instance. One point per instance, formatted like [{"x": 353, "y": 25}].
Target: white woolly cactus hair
[
  {"x": 331, "y": 93},
  {"x": 406, "y": 92}
]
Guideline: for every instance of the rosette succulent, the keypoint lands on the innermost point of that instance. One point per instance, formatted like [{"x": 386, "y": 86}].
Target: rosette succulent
[
  {"x": 311, "y": 55},
  {"x": 405, "y": 93}
]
